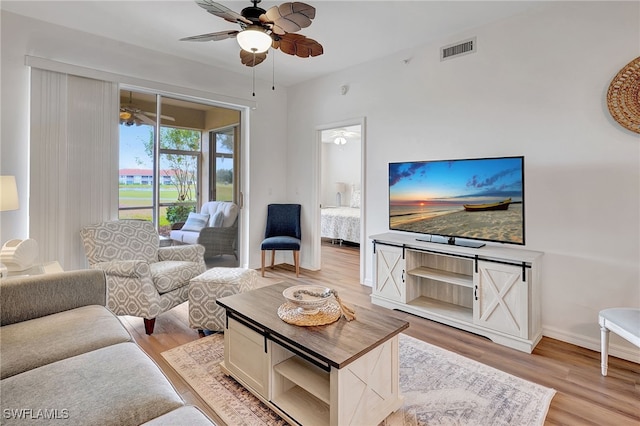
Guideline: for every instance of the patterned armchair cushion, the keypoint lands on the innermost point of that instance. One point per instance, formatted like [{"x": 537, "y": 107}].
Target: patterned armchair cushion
[
  {"x": 193, "y": 253},
  {"x": 170, "y": 275},
  {"x": 121, "y": 240}
]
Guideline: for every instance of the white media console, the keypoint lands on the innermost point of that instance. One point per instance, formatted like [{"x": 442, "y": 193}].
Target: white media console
[{"x": 491, "y": 291}]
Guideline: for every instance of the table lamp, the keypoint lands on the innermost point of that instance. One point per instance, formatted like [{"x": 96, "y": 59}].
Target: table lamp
[
  {"x": 16, "y": 255},
  {"x": 8, "y": 193}
]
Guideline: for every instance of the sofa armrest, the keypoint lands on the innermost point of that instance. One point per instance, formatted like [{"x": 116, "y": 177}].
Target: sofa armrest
[
  {"x": 25, "y": 298},
  {"x": 190, "y": 253}
]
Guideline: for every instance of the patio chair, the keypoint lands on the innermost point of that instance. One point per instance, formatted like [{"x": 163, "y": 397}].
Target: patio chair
[{"x": 215, "y": 227}]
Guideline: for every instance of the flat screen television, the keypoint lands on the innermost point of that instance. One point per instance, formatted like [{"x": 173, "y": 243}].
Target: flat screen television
[{"x": 460, "y": 202}]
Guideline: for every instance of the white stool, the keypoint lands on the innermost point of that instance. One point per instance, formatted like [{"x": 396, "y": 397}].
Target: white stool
[
  {"x": 206, "y": 288},
  {"x": 625, "y": 322}
]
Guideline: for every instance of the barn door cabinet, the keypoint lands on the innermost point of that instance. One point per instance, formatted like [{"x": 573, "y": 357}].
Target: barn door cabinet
[{"x": 491, "y": 291}]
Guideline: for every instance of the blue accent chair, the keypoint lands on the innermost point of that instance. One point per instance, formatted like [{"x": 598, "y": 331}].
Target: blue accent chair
[{"x": 282, "y": 232}]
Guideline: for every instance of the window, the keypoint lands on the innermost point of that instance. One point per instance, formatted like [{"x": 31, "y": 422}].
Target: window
[
  {"x": 223, "y": 178},
  {"x": 179, "y": 171}
]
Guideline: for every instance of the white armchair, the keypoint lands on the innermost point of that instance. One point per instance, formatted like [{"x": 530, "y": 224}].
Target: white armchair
[{"x": 143, "y": 279}]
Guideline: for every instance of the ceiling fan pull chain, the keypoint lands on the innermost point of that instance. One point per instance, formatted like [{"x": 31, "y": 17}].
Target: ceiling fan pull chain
[
  {"x": 254, "y": 73},
  {"x": 273, "y": 71}
]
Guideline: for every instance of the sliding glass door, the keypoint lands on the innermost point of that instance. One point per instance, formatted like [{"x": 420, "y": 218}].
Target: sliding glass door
[{"x": 167, "y": 166}]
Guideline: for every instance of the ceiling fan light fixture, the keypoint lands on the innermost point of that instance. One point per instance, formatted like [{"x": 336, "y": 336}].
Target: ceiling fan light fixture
[
  {"x": 125, "y": 115},
  {"x": 340, "y": 140},
  {"x": 254, "y": 39}
]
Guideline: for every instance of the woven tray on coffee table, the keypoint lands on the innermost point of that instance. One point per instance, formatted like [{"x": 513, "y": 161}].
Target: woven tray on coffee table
[{"x": 327, "y": 314}]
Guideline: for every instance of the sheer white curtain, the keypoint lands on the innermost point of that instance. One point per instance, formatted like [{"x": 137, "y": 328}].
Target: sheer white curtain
[{"x": 73, "y": 161}]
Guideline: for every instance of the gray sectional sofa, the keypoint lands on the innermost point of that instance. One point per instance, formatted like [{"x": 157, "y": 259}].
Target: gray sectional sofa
[{"x": 66, "y": 359}]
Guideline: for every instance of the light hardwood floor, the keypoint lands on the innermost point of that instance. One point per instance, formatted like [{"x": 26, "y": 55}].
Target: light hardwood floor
[{"x": 583, "y": 396}]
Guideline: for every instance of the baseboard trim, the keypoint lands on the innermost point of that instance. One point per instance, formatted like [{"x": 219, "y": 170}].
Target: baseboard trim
[{"x": 614, "y": 350}]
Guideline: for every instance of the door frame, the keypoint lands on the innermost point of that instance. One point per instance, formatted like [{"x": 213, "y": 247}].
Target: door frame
[{"x": 317, "y": 256}]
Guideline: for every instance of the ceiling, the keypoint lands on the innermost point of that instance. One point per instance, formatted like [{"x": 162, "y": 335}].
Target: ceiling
[{"x": 352, "y": 32}]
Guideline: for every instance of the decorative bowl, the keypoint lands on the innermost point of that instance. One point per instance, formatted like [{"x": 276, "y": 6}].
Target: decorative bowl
[{"x": 307, "y": 298}]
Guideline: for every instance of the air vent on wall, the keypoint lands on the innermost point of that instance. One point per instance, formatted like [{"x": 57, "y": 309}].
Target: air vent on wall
[{"x": 458, "y": 49}]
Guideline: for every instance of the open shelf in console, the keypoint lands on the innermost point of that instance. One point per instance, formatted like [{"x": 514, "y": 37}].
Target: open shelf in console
[
  {"x": 440, "y": 283},
  {"x": 444, "y": 276},
  {"x": 306, "y": 375},
  {"x": 299, "y": 404},
  {"x": 302, "y": 390},
  {"x": 440, "y": 308}
]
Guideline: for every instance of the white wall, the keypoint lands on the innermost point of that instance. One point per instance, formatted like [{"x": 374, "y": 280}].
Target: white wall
[
  {"x": 340, "y": 163},
  {"x": 536, "y": 87},
  {"x": 24, "y": 36}
]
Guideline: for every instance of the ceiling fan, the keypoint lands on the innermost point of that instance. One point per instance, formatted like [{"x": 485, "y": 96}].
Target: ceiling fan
[
  {"x": 261, "y": 29},
  {"x": 339, "y": 136},
  {"x": 131, "y": 114}
]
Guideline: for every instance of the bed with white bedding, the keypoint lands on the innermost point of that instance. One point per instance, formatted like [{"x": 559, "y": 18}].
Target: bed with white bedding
[{"x": 340, "y": 223}]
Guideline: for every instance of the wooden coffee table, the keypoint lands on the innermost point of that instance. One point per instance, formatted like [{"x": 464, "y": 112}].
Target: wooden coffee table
[{"x": 344, "y": 373}]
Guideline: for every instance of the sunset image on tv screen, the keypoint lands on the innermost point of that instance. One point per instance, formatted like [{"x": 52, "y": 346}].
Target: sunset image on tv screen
[{"x": 477, "y": 198}]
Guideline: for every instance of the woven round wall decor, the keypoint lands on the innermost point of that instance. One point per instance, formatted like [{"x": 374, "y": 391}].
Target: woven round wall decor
[{"x": 623, "y": 97}]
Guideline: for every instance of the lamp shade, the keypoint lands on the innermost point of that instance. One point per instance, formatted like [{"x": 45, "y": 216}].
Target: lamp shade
[
  {"x": 8, "y": 193},
  {"x": 253, "y": 39},
  {"x": 340, "y": 187}
]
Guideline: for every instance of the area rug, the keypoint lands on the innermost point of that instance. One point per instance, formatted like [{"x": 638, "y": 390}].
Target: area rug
[{"x": 439, "y": 388}]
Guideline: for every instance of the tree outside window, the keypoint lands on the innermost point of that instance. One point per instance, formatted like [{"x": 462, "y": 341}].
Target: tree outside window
[{"x": 179, "y": 150}]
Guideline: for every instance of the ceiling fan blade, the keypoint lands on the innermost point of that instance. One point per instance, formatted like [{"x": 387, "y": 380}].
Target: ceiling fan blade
[
  {"x": 163, "y": 117},
  {"x": 298, "y": 45},
  {"x": 220, "y": 35},
  {"x": 289, "y": 17},
  {"x": 145, "y": 119},
  {"x": 222, "y": 11},
  {"x": 247, "y": 58},
  {"x": 334, "y": 133}
]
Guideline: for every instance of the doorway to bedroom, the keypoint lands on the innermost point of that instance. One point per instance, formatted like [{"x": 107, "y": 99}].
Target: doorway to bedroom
[{"x": 340, "y": 190}]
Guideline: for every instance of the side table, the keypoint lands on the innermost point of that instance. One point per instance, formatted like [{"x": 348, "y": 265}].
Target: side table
[{"x": 38, "y": 269}]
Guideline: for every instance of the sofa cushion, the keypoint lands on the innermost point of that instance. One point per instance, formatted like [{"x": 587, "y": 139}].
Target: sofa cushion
[
  {"x": 217, "y": 220},
  {"x": 116, "y": 385},
  {"x": 30, "y": 344},
  {"x": 228, "y": 209},
  {"x": 187, "y": 415},
  {"x": 172, "y": 274},
  {"x": 195, "y": 222},
  {"x": 176, "y": 235},
  {"x": 185, "y": 237}
]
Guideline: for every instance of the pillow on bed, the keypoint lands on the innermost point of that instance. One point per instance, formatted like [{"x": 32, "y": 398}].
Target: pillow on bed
[
  {"x": 355, "y": 198},
  {"x": 195, "y": 222}
]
